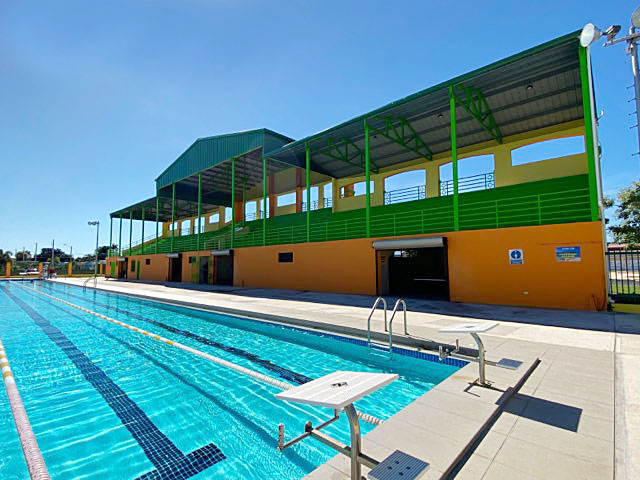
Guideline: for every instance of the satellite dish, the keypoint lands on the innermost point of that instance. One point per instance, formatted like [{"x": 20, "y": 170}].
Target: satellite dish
[
  {"x": 635, "y": 17},
  {"x": 590, "y": 33}
]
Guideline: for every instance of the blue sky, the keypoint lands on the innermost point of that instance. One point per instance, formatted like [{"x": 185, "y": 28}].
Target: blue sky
[{"x": 97, "y": 98}]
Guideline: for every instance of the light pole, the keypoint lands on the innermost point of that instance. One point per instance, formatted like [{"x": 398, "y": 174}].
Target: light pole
[
  {"x": 591, "y": 33},
  {"x": 71, "y": 250},
  {"x": 95, "y": 269}
]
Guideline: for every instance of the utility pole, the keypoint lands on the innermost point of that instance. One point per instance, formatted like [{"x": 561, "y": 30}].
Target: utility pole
[{"x": 591, "y": 33}]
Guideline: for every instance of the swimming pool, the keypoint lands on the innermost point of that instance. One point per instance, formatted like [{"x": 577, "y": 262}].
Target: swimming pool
[{"x": 108, "y": 403}]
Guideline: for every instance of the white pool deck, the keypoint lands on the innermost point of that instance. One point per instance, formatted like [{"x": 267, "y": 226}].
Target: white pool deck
[{"x": 577, "y": 416}]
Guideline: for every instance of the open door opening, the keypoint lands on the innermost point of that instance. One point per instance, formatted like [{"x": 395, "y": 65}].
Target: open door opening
[
  {"x": 414, "y": 272},
  {"x": 223, "y": 267},
  {"x": 175, "y": 268}
]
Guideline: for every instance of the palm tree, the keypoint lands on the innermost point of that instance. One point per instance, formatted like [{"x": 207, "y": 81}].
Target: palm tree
[{"x": 5, "y": 256}]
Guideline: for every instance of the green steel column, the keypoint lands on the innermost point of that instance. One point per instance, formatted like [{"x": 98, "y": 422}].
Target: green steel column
[
  {"x": 120, "y": 238},
  {"x": 130, "y": 228},
  {"x": 233, "y": 201},
  {"x": 307, "y": 151},
  {"x": 157, "y": 215},
  {"x": 142, "y": 234},
  {"x": 264, "y": 200},
  {"x": 588, "y": 133},
  {"x": 367, "y": 179},
  {"x": 199, "y": 207},
  {"x": 173, "y": 214},
  {"x": 110, "y": 235},
  {"x": 454, "y": 158}
]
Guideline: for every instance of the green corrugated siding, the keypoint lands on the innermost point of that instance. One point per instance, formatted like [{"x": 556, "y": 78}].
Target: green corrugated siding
[
  {"x": 208, "y": 152},
  {"x": 559, "y": 200}
]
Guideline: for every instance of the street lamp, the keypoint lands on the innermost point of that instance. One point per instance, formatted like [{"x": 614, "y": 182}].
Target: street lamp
[
  {"x": 590, "y": 33},
  {"x": 71, "y": 248},
  {"x": 95, "y": 269}
]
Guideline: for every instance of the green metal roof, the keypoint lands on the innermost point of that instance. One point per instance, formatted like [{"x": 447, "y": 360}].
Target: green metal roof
[
  {"x": 533, "y": 89},
  {"x": 208, "y": 152}
]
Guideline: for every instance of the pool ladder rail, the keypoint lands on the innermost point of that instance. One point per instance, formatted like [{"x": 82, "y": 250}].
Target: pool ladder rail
[
  {"x": 95, "y": 282},
  {"x": 389, "y": 327}
]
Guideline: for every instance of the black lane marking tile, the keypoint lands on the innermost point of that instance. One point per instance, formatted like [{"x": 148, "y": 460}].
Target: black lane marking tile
[
  {"x": 283, "y": 372},
  {"x": 169, "y": 461}
]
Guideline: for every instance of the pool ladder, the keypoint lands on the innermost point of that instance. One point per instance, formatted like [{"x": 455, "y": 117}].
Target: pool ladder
[
  {"x": 389, "y": 346},
  {"x": 95, "y": 283}
]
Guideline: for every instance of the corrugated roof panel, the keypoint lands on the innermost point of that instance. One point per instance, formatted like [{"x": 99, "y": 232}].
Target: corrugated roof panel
[{"x": 210, "y": 151}]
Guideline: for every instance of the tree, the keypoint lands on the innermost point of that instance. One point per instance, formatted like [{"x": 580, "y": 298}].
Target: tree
[
  {"x": 23, "y": 256},
  {"x": 45, "y": 255},
  {"x": 627, "y": 204},
  {"x": 5, "y": 256},
  {"x": 102, "y": 254}
]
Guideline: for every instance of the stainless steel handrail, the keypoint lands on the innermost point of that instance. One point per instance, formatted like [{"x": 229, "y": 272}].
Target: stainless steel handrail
[
  {"x": 373, "y": 309},
  {"x": 95, "y": 282},
  {"x": 393, "y": 314}
]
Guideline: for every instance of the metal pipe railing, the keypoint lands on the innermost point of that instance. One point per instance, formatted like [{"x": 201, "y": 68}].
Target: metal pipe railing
[{"x": 373, "y": 309}]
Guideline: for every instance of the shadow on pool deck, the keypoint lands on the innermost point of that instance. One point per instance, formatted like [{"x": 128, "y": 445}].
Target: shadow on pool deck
[{"x": 585, "y": 320}]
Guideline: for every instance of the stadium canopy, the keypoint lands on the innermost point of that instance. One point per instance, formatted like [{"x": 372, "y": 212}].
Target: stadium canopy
[
  {"x": 209, "y": 161},
  {"x": 533, "y": 89}
]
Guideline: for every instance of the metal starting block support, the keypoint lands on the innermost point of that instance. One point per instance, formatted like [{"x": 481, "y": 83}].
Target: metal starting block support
[
  {"x": 338, "y": 391},
  {"x": 474, "y": 329}
]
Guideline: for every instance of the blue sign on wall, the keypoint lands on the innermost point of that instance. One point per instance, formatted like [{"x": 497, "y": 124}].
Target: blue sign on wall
[
  {"x": 568, "y": 254},
  {"x": 516, "y": 256}
]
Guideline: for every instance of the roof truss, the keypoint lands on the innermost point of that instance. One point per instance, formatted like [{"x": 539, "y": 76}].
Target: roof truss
[
  {"x": 475, "y": 103},
  {"x": 400, "y": 131}
]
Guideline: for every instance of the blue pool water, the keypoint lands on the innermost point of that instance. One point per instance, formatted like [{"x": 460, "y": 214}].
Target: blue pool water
[{"x": 105, "y": 402}]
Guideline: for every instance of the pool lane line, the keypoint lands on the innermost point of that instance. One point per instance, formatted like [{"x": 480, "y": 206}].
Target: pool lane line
[
  {"x": 283, "y": 372},
  {"x": 219, "y": 361},
  {"x": 169, "y": 462},
  {"x": 31, "y": 451}
]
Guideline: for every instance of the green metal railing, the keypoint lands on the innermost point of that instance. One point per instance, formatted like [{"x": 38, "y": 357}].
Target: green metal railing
[{"x": 477, "y": 210}]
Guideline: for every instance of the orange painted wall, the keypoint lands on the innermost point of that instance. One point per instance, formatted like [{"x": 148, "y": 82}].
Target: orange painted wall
[
  {"x": 158, "y": 270},
  {"x": 340, "y": 266},
  {"x": 479, "y": 269}
]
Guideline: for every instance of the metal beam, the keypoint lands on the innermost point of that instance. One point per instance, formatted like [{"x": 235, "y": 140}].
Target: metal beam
[
  {"x": 233, "y": 201},
  {"x": 475, "y": 103},
  {"x": 454, "y": 157},
  {"x": 120, "y": 238},
  {"x": 400, "y": 131},
  {"x": 199, "y": 209},
  {"x": 142, "y": 233},
  {"x": 157, "y": 215},
  {"x": 346, "y": 151},
  {"x": 588, "y": 134},
  {"x": 308, "y": 182},
  {"x": 367, "y": 180},
  {"x": 173, "y": 214},
  {"x": 110, "y": 236},
  {"x": 265, "y": 193}
]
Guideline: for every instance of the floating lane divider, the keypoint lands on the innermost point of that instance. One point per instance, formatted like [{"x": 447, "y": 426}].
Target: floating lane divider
[
  {"x": 219, "y": 361},
  {"x": 30, "y": 449}
]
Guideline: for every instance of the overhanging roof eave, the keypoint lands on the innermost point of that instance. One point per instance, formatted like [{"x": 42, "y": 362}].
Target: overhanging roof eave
[{"x": 295, "y": 149}]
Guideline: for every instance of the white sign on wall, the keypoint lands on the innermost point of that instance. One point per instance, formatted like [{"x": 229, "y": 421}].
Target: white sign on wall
[{"x": 516, "y": 256}]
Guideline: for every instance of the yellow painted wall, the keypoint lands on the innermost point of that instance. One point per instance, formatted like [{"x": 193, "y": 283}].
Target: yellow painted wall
[{"x": 479, "y": 269}]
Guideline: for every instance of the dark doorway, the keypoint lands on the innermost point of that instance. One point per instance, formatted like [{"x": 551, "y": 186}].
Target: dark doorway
[
  {"x": 419, "y": 272},
  {"x": 175, "y": 269},
  {"x": 203, "y": 276},
  {"x": 224, "y": 270}
]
